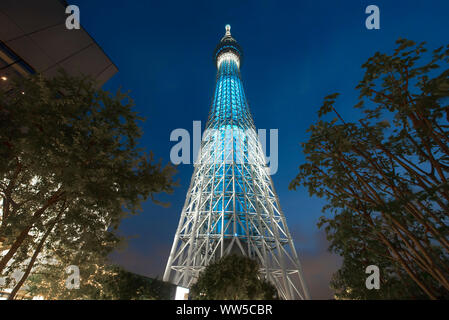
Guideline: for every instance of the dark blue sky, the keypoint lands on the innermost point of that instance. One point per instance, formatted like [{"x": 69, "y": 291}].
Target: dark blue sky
[{"x": 296, "y": 52}]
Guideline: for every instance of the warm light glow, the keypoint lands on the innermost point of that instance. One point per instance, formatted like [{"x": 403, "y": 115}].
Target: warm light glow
[
  {"x": 4, "y": 78},
  {"x": 228, "y": 56},
  {"x": 182, "y": 293}
]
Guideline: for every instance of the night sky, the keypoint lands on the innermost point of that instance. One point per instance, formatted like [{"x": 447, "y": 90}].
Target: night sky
[{"x": 295, "y": 53}]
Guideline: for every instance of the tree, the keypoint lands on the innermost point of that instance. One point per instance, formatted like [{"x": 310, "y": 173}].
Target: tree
[
  {"x": 107, "y": 282},
  {"x": 232, "y": 277},
  {"x": 70, "y": 171},
  {"x": 385, "y": 176}
]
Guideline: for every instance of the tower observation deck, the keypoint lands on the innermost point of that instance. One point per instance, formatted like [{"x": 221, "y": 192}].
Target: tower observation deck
[{"x": 231, "y": 205}]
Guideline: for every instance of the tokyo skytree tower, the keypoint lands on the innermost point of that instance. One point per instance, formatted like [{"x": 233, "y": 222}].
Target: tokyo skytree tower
[{"x": 231, "y": 205}]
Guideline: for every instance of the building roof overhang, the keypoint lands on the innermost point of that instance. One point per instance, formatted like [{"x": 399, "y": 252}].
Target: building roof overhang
[{"x": 35, "y": 31}]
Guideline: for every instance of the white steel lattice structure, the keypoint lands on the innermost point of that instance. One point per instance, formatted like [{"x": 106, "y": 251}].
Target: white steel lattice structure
[{"x": 231, "y": 204}]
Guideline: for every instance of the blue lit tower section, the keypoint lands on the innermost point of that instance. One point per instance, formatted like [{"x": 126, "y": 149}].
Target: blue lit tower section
[{"x": 231, "y": 205}]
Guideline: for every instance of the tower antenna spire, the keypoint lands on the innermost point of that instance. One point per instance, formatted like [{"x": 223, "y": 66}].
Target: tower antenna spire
[{"x": 228, "y": 30}]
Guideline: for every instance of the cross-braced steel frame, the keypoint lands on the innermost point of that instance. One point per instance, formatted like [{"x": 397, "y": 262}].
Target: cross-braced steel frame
[{"x": 231, "y": 205}]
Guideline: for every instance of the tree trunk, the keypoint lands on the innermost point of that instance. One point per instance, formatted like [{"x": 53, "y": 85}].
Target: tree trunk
[
  {"x": 24, "y": 234},
  {"x": 34, "y": 257}
]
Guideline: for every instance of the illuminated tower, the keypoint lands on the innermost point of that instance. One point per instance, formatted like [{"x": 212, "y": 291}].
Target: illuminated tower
[{"x": 231, "y": 205}]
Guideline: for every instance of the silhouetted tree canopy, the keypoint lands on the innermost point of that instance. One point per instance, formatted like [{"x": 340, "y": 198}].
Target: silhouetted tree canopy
[
  {"x": 70, "y": 170},
  {"x": 110, "y": 282},
  {"x": 232, "y": 277},
  {"x": 385, "y": 176}
]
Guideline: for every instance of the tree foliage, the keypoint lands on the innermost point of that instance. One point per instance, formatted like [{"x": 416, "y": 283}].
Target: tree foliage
[
  {"x": 70, "y": 170},
  {"x": 385, "y": 176},
  {"x": 107, "y": 282},
  {"x": 232, "y": 277}
]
